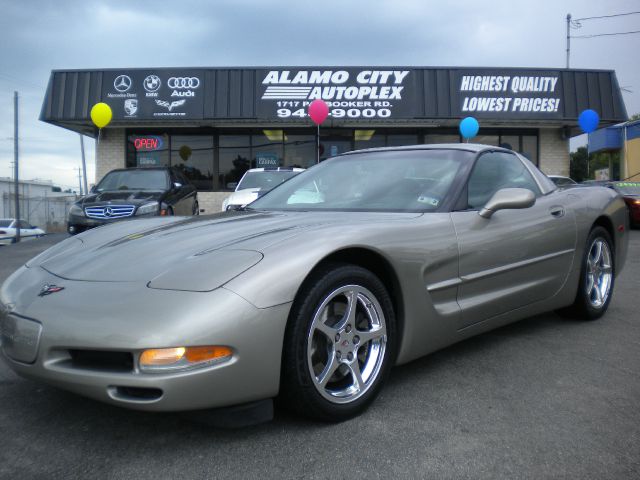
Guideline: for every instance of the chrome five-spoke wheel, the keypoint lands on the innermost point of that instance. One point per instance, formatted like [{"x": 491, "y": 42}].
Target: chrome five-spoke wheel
[
  {"x": 340, "y": 343},
  {"x": 599, "y": 273},
  {"x": 346, "y": 343}
]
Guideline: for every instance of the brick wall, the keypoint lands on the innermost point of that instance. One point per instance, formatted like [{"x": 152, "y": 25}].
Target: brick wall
[
  {"x": 554, "y": 152},
  {"x": 211, "y": 201},
  {"x": 111, "y": 152}
]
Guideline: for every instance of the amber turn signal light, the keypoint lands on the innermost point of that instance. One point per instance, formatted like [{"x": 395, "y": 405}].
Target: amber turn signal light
[{"x": 175, "y": 358}]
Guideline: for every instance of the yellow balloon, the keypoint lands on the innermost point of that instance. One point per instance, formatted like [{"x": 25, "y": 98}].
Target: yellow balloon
[{"x": 101, "y": 114}]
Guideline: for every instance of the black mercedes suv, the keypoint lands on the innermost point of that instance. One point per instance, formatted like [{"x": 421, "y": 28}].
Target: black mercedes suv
[{"x": 133, "y": 193}]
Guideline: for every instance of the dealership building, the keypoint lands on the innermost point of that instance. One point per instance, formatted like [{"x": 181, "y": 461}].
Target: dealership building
[{"x": 215, "y": 123}]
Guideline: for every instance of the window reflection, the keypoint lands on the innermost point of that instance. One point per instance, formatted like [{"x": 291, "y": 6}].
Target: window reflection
[
  {"x": 234, "y": 159},
  {"x": 193, "y": 156}
]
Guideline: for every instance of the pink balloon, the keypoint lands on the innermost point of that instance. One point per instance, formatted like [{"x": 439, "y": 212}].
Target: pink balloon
[{"x": 318, "y": 111}]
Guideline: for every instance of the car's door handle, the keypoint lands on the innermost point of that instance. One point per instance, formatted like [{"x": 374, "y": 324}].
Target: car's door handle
[{"x": 557, "y": 211}]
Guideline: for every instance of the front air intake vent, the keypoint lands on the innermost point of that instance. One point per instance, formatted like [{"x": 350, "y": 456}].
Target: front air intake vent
[{"x": 102, "y": 360}]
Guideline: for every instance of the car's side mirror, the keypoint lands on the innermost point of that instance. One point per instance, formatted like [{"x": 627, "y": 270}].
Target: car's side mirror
[
  {"x": 508, "y": 198},
  {"x": 92, "y": 189}
]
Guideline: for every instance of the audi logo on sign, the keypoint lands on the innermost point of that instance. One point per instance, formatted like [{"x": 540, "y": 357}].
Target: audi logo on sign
[{"x": 183, "y": 82}]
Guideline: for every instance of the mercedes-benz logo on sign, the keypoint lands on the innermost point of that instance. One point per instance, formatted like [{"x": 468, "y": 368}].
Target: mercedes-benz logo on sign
[
  {"x": 122, "y": 83},
  {"x": 183, "y": 82},
  {"x": 152, "y": 83},
  {"x": 108, "y": 212}
]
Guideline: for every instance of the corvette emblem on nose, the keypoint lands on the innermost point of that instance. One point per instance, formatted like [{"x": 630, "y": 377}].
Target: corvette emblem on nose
[{"x": 49, "y": 289}]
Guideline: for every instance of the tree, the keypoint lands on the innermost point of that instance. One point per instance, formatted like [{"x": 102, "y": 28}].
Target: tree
[
  {"x": 578, "y": 164},
  {"x": 635, "y": 116}
]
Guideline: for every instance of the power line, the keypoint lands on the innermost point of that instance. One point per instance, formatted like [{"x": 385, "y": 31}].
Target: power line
[
  {"x": 606, "y": 16},
  {"x": 605, "y": 34}
]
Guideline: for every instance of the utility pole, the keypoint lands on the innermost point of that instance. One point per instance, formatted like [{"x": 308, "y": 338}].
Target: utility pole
[
  {"x": 79, "y": 182},
  {"x": 568, "y": 38},
  {"x": 15, "y": 162},
  {"x": 84, "y": 165}
]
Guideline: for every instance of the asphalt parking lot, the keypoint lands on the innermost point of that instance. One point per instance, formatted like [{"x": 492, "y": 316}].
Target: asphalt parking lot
[{"x": 542, "y": 398}]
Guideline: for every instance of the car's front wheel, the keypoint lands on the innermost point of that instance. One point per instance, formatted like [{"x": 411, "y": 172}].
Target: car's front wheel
[{"x": 340, "y": 343}]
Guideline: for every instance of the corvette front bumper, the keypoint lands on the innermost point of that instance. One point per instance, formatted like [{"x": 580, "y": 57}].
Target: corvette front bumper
[{"x": 87, "y": 339}]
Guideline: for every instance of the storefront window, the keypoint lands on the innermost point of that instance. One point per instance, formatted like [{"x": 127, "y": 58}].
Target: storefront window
[
  {"x": 267, "y": 149},
  {"x": 334, "y": 142},
  {"x": 368, "y": 139},
  {"x": 399, "y": 139},
  {"x": 235, "y": 159},
  {"x": 195, "y": 153},
  {"x": 431, "y": 138},
  {"x": 530, "y": 147},
  {"x": 148, "y": 150},
  {"x": 512, "y": 142},
  {"x": 299, "y": 150},
  {"x": 486, "y": 140},
  {"x": 193, "y": 156}
]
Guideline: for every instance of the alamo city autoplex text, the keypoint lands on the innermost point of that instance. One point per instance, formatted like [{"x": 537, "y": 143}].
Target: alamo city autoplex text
[{"x": 517, "y": 85}]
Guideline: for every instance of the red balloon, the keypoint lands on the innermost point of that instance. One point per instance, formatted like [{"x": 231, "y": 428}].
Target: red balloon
[{"x": 318, "y": 111}]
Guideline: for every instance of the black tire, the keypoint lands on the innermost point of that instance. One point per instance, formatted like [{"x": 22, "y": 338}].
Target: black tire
[
  {"x": 299, "y": 386},
  {"x": 583, "y": 307}
]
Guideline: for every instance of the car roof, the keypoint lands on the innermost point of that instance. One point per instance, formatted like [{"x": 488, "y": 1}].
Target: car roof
[{"x": 467, "y": 147}]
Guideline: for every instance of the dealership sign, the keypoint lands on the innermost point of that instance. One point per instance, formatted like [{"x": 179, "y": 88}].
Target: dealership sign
[
  {"x": 354, "y": 95},
  {"x": 517, "y": 94},
  {"x": 349, "y": 93},
  {"x": 146, "y": 94}
]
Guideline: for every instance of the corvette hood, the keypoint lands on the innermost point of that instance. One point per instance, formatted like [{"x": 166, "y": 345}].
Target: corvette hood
[{"x": 141, "y": 250}]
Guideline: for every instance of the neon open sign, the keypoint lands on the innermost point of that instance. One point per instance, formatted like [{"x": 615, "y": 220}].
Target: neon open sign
[{"x": 148, "y": 143}]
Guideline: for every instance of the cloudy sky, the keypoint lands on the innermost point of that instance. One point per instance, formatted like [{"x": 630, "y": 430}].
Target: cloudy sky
[{"x": 38, "y": 36}]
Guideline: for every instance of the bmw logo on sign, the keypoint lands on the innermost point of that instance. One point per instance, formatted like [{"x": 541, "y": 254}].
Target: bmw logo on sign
[{"x": 152, "y": 83}]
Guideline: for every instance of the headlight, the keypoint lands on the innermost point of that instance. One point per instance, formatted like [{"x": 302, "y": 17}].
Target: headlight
[
  {"x": 182, "y": 358},
  {"x": 76, "y": 210},
  {"x": 147, "y": 208}
]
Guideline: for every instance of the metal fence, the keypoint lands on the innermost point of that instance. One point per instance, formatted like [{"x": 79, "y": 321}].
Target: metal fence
[{"x": 46, "y": 212}]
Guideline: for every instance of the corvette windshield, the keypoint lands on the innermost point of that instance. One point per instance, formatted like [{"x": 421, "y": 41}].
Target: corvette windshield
[
  {"x": 134, "y": 180},
  {"x": 394, "y": 180}
]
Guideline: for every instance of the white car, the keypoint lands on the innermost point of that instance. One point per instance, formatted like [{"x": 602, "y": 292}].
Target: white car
[
  {"x": 8, "y": 227},
  {"x": 256, "y": 182}
]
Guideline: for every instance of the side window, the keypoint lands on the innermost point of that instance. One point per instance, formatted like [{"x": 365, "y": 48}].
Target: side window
[
  {"x": 496, "y": 170},
  {"x": 24, "y": 225}
]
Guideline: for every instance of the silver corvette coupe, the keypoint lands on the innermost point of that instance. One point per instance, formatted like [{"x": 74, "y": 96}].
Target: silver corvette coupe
[{"x": 313, "y": 292}]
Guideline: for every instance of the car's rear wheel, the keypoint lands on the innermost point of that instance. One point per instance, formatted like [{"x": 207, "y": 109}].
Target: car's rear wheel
[
  {"x": 597, "y": 277},
  {"x": 340, "y": 343}
]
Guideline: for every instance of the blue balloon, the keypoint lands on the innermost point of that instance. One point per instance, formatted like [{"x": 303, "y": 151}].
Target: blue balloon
[
  {"x": 469, "y": 127},
  {"x": 588, "y": 120}
]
